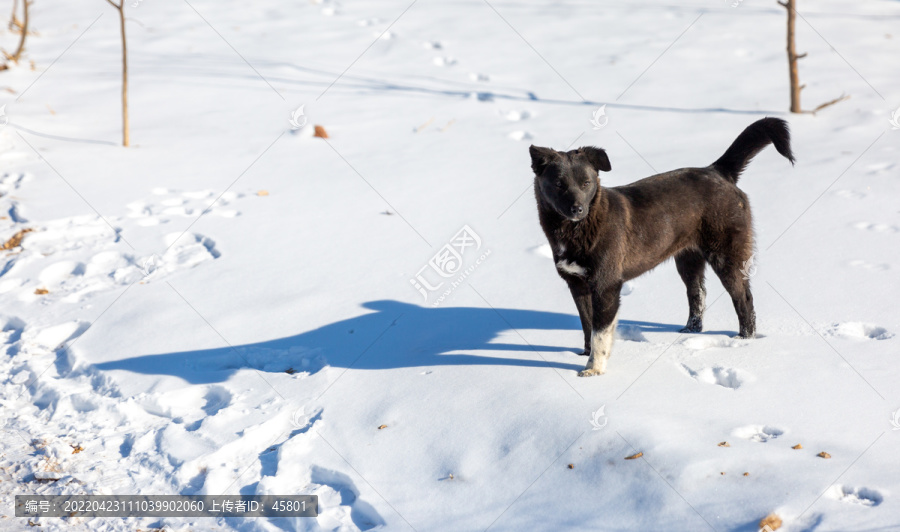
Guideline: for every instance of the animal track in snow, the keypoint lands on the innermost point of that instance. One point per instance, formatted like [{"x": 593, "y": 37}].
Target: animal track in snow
[
  {"x": 515, "y": 116},
  {"x": 878, "y": 228},
  {"x": 368, "y": 22},
  {"x": 181, "y": 204},
  {"x": 725, "y": 377},
  {"x": 70, "y": 280},
  {"x": 188, "y": 406},
  {"x": 850, "y": 194},
  {"x": 10, "y": 182},
  {"x": 11, "y": 331},
  {"x": 520, "y": 135},
  {"x": 880, "y": 168},
  {"x": 758, "y": 433},
  {"x": 855, "y": 329},
  {"x": 706, "y": 342},
  {"x": 861, "y": 496},
  {"x": 46, "y": 340},
  {"x": 217, "y": 398},
  {"x": 329, "y": 8},
  {"x": 444, "y": 61},
  {"x": 185, "y": 251},
  {"x": 338, "y": 494},
  {"x": 869, "y": 266}
]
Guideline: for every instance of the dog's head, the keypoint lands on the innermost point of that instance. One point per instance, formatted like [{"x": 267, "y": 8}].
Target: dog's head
[{"x": 569, "y": 180}]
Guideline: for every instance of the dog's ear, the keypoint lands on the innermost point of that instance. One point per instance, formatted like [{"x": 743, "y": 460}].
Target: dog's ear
[
  {"x": 597, "y": 157},
  {"x": 540, "y": 158}
]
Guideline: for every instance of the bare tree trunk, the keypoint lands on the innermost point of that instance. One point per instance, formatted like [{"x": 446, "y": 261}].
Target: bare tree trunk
[
  {"x": 125, "y": 128},
  {"x": 792, "y": 56}
]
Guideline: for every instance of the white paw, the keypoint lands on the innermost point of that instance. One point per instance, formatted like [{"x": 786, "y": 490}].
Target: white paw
[{"x": 590, "y": 372}]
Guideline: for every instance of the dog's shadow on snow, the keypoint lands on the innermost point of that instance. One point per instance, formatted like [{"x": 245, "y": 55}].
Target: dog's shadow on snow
[{"x": 394, "y": 335}]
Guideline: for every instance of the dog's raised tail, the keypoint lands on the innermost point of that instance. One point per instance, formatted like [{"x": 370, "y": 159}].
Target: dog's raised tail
[{"x": 751, "y": 141}]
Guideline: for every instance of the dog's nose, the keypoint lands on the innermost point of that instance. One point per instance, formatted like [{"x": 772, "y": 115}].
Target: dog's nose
[{"x": 577, "y": 210}]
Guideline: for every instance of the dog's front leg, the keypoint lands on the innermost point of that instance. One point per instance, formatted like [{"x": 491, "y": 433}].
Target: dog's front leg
[
  {"x": 605, "y": 304},
  {"x": 581, "y": 293}
]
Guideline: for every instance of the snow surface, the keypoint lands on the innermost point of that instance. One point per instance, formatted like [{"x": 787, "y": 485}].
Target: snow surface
[{"x": 231, "y": 306}]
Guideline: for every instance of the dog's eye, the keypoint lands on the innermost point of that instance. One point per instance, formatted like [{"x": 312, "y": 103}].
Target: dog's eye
[
  {"x": 559, "y": 184},
  {"x": 585, "y": 184}
]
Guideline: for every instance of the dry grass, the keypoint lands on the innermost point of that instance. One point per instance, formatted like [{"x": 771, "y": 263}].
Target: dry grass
[{"x": 16, "y": 240}]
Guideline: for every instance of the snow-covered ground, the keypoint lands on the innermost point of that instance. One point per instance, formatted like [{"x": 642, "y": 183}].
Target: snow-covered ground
[{"x": 232, "y": 305}]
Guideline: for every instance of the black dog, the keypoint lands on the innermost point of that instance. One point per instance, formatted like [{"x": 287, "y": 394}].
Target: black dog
[{"x": 602, "y": 237}]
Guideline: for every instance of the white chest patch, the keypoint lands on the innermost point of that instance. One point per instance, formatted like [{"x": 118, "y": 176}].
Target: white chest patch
[{"x": 570, "y": 267}]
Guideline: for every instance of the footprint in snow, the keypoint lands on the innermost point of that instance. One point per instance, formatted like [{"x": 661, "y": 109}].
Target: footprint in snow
[
  {"x": 337, "y": 493},
  {"x": 869, "y": 265},
  {"x": 521, "y": 135},
  {"x": 880, "y": 168},
  {"x": 9, "y": 182},
  {"x": 183, "y": 205},
  {"x": 878, "y": 228},
  {"x": 444, "y": 61},
  {"x": 698, "y": 343},
  {"x": 862, "y": 496},
  {"x": 725, "y": 377},
  {"x": 45, "y": 340},
  {"x": 757, "y": 433},
  {"x": 859, "y": 330},
  {"x": 850, "y": 194},
  {"x": 368, "y": 22},
  {"x": 515, "y": 116},
  {"x": 217, "y": 399}
]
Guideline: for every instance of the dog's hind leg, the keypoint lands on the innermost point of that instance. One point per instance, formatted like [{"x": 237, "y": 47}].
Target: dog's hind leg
[
  {"x": 738, "y": 286},
  {"x": 581, "y": 293},
  {"x": 605, "y": 305},
  {"x": 691, "y": 266}
]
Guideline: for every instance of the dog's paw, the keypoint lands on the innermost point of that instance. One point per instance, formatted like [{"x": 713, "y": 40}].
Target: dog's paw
[
  {"x": 590, "y": 372},
  {"x": 691, "y": 329},
  {"x": 585, "y": 353}
]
